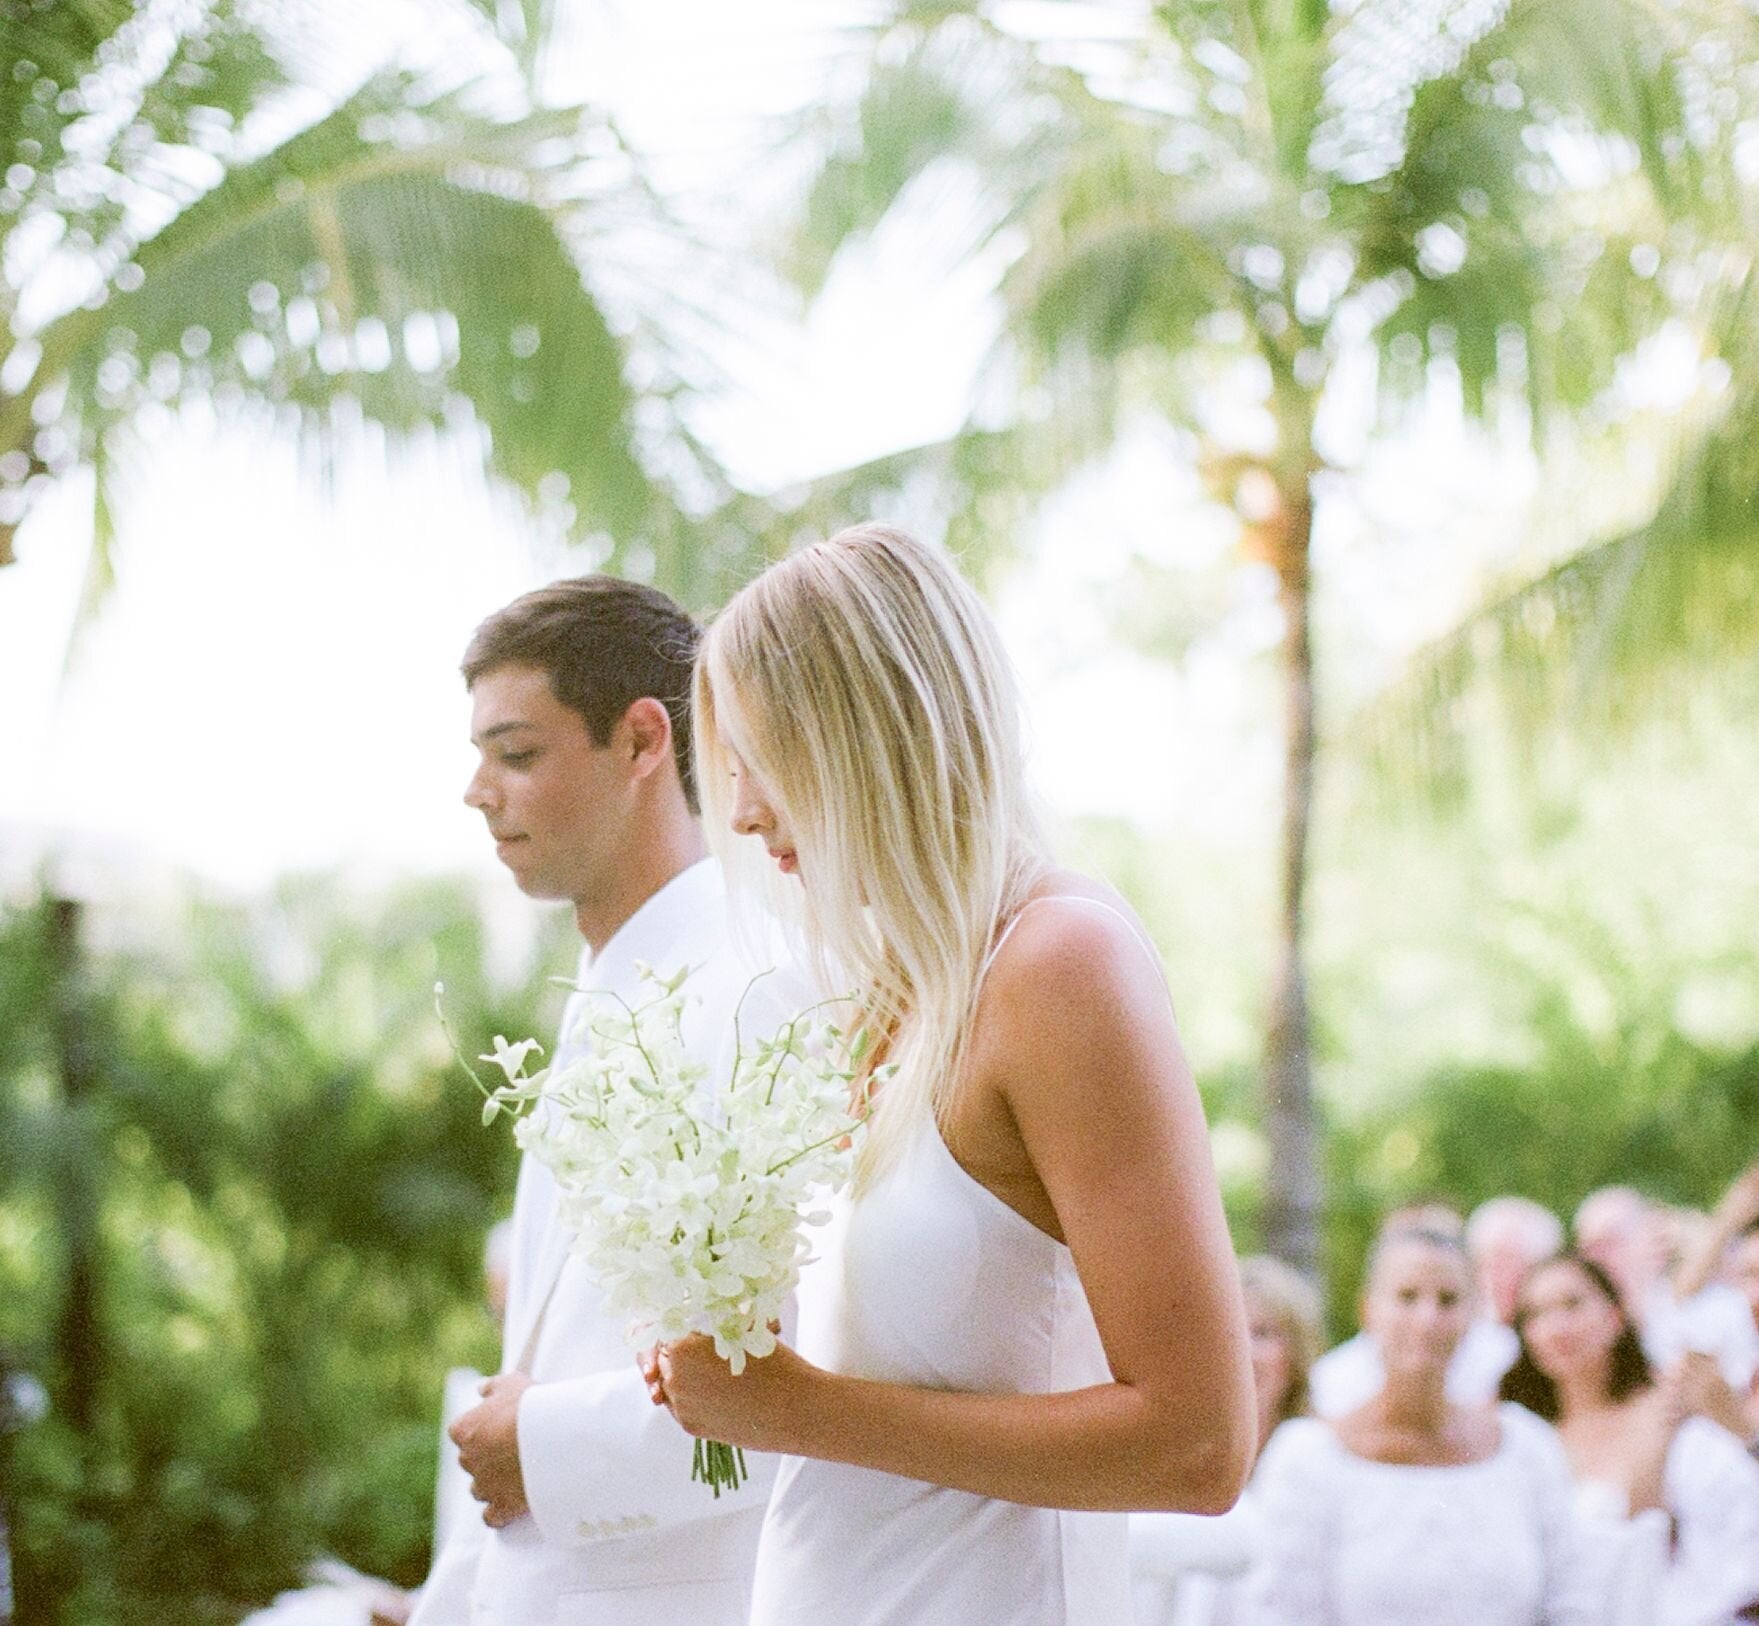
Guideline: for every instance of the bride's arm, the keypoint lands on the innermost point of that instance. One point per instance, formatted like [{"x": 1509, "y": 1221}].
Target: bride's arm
[{"x": 1077, "y": 1033}]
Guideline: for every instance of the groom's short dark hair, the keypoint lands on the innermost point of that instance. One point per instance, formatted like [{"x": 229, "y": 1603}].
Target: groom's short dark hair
[{"x": 604, "y": 643}]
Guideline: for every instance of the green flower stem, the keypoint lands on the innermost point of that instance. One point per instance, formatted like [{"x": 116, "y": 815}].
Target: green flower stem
[{"x": 718, "y": 1466}]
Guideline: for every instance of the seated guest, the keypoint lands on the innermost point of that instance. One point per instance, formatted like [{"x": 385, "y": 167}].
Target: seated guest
[
  {"x": 1742, "y": 1273},
  {"x": 1669, "y": 1500},
  {"x": 1632, "y": 1240},
  {"x": 1504, "y": 1238},
  {"x": 1726, "y": 1252},
  {"x": 1185, "y": 1569},
  {"x": 1413, "y": 1508}
]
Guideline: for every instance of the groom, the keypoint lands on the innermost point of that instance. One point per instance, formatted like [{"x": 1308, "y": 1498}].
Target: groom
[{"x": 580, "y": 719}]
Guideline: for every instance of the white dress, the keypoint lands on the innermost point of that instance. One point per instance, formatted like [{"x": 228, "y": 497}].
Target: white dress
[
  {"x": 1699, "y": 1567},
  {"x": 1346, "y": 1541},
  {"x": 931, "y": 1280},
  {"x": 1188, "y": 1569}
]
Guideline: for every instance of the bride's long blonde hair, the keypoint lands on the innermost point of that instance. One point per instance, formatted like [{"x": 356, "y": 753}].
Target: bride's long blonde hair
[{"x": 863, "y": 682}]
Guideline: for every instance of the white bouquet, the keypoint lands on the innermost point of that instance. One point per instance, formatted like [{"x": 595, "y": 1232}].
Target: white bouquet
[{"x": 689, "y": 1203}]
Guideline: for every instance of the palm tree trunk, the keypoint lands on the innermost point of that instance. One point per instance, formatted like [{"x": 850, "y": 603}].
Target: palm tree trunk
[
  {"x": 1292, "y": 1204},
  {"x": 78, "y": 1336}
]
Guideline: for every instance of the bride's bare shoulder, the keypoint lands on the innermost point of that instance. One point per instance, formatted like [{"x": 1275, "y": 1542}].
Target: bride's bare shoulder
[
  {"x": 1075, "y": 1008},
  {"x": 1074, "y": 937}
]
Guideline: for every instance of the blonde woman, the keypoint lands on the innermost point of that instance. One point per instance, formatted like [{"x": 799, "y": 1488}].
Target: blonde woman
[
  {"x": 1283, "y": 1312},
  {"x": 1031, "y": 1321}
]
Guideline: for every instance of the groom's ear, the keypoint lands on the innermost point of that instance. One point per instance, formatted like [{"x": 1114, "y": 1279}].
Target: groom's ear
[{"x": 644, "y": 735}]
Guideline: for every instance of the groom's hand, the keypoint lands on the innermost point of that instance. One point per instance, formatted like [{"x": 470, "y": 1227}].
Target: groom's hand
[{"x": 487, "y": 1437}]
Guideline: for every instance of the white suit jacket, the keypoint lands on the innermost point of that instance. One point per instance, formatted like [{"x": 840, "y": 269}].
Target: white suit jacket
[{"x": 619, "y": 1534}]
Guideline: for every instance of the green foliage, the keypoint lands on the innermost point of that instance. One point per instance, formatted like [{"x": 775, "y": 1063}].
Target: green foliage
[
  {"x": 290, "y": 1188},
  {"x": 1621, "y": 630},
  {"x": 1552, "y": 988},
  {"x": 1555, "y": 987},
  {"x": 190, "y": 212}
]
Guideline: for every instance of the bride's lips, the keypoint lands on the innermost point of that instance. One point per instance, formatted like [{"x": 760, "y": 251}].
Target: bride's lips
[{"x": 785, "y": 859}]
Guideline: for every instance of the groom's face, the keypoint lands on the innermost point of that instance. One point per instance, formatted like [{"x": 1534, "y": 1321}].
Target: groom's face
[{"x": 554, "y": 801}]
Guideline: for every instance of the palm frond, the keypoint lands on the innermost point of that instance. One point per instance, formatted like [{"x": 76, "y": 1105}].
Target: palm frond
[
  {"x": 525, "y": 27},
  {"x": 1120, "y": 255},
  {"x": 401, "y": 260},
  {"x": 1535, "y": 181},
  {"x": 44, "y": 51},
  {"x": 975, "y": 490},
  {"x": 1600, "y": 638},
  {"x": 915, "y": 108}
]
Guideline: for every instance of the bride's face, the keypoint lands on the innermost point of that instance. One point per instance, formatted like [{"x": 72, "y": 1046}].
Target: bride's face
[{"x": 754, "y": 813}]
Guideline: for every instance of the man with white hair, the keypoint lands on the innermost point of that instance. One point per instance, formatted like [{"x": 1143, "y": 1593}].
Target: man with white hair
[{"x": 1505, "y": 1238}]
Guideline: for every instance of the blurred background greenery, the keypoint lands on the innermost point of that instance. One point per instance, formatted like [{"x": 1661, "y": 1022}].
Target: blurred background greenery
[{"x": 1473, "y": 906}]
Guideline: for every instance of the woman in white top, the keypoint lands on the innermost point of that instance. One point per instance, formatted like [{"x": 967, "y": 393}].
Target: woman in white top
[
  {"x": 1670, "y": 1501},
  {"x": 1187, "y": 1570},
  {"x": 1030, "y": 1320},
  {"x": 1412, "y": 1508}
]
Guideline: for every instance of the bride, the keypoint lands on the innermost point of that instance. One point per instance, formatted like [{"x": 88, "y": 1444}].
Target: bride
[{"x": 1032, "y": 1319}]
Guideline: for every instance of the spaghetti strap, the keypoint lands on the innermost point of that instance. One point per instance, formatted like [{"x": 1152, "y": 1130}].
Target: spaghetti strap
[{"x": 1075, "y": 897}]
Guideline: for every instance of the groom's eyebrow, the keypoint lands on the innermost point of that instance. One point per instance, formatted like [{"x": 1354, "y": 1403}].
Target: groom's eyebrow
[{"x": 503, "y": 728}]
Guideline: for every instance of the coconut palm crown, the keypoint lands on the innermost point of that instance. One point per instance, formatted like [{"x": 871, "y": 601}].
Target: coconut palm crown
[
  {"x": 189, "y": 208},
  {"x": 1508, "y": 194}
]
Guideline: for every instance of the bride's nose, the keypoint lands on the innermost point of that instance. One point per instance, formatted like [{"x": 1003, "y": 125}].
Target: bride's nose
[{"x": 750, "y": 815}]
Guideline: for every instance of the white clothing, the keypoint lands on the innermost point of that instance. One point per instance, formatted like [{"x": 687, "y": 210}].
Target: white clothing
[
  {"x": 334, "y": 1596},
  {"x": 1696, "y": 1564},
  {"x": 1347, "y": 1541},
  {"x": 453, "y": 1503},
  {"x": 618, "y": 1532},
  {"x": 1188, "y": 1570},
  {"x": 1352, "y": 1374},
  {"x": 932, "y": 1280},
  {"x": 1715, "y": 1321}
]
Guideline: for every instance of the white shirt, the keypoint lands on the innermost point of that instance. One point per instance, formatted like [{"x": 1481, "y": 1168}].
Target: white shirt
[
  {"x": 1186, "y": 1569},
  {"x": 1697, "y": 1564},
  {"x": 1715, "y": 1321},
  {"x": 1347, "y": 1541}
]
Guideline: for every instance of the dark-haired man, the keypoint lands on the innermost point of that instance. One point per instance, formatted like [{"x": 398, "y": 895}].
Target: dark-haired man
[{"x": 581, "y": 722}]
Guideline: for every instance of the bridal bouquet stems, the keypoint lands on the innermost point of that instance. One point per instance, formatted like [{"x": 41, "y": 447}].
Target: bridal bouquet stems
[{"x": 688, "y": 1201}]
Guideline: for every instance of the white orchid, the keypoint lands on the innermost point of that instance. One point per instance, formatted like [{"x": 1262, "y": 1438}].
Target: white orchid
[
  {"x": 688, "y": 1204},
  {"x": 510, "y": 1058}
]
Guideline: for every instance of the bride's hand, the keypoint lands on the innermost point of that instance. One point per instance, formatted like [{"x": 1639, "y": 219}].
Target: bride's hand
[{"x": 760, "y": 1410}]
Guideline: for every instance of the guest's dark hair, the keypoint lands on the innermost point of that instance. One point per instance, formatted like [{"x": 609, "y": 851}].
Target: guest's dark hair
[
  {"x": 604, "y": 643},
  {"x": 1627, "y": 1369}
]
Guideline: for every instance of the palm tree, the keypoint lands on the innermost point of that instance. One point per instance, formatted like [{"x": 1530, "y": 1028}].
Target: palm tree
[
  {"x": 1510, "y": 195},
  {"x": 187, "y": 210}
]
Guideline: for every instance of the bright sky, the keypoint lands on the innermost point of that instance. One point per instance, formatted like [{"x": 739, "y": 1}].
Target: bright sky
[{"x": 272, "y": 685}]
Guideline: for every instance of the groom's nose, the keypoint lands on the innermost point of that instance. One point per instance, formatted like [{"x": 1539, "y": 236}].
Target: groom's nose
[{"x": 477, "y": 793}]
